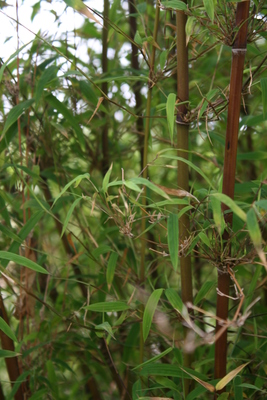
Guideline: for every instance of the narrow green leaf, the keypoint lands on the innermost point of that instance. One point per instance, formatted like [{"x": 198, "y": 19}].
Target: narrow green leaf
[
  {"x": 8, "y": 353},
  {"x": 217, "y": 214},
  {"x": 161, "y": 370},
  {"x": 163, "y": 59},
  {"x": 174, "y": 4},
  {"x": 170, "y": 111},
  {"x": 204, "y": 238},
  {"x": 2, "y": 69},
  {"x": 7, "y": 330},
  {"x": 49, "y": 74},
  {"x": 209, "y": 96},
  {"x": 19, "y": 381},
  {"x": 73, "y": 181},
  {"x": 69, "y": 214},
  {"x": 238, "y": 390},
  {"x": 253, "y": 228},
  {"x": 157, "y": 357},
  {"x": 231, "y": 204},
  {"x": 193, "y": 166},
  {"x": 52, "y": 377},
  {"x": 111, "y": 268},
  {"x": 264, "y": 96},
  {"x": 174, "y": 299},
  {"x": 65, "y": 111},
  {"x": 150, "y": 310},
  {"x": 253, "y": 284},
  {"x": 105, "y": 326},
  {"x": 225, "y": 380},
  {"x": 205, "y": 288},
  {"x": 106, "y": 179},
  {"x": 150, "y": 185},
  {"x": 102, "y": 249},
  {"x": 23, "y": 233},
  {"x": 131, "y": 185},
  {"x": 173, "y": 239},
  {"x": 5, "y": 255},
  {"x": 15, "y": 113},
  {"x": 209, "y": 8},
  {"x": 111, "y": 306}
]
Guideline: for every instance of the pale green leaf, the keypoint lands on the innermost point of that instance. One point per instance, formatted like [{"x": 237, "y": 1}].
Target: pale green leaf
[
  {"x": 217, "y": 214},
  {"x": 174, "y": 299},
  {"x": 209, "y": 8},
  {"x": 73, "y": 181},
  {"x": 173, "y": 239},
  {"x": 69, "y": 214},
  {"x": 111, "y": 268},
  {"x": 174, "y": 4},
  {"x": 106, "y": 179},
  {"x": 224, "y": 381},
  {"x": 253, "y": 228},
  {"x": 105, "y": 326},
  {"x": 2, "y": 69},
  {"x": 8, "y": 353},
  {"x": 79, "y": 6},
  {"x": 231, "y": 204},
  {"x": 7, "y": 330},
  {"x": 150, "y": 310},
  {"x": 49, "y": 74},
  {"x": 170, "y": 111},
  {"x": 157, "y": 357},
  {"x": 5, "y": 255},
  {"x": 264, "y": 95},
  {"x": 15, "y": 113},
  {"x": 204, "y": 290}
]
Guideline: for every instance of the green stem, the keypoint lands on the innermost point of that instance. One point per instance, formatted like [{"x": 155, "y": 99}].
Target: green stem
[
  {"x": 183, "y": 172},
  {"x": 145, "y": 170},
  {"x": 238, "y": 59},
  {"x": 105, "y": 152}
]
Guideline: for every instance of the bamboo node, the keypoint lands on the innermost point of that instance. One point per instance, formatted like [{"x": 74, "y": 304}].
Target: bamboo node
[{"x": 238, "y": 52}]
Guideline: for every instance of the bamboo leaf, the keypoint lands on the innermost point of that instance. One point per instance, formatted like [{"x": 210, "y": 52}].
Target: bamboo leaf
[
  {"x": 2, "y": 69},
  {"x": 49, "y": 74},
  {"x": 255, "y": 234},
  {"x": 170, "y": 110},
  {"x": 193, "y": 166},
  {"x": 204, "y": 238},
  {"x": 173, "y": 239},
  {"x": 204, "y": 290},
  {"x": 217, "y": 214},
  {"x": 209, "y": 8},
  {"x": 131, "y": 185},
  {"x": 206, "y": 385},
  {"x": 79, "y": 6},
  {"x": 106, "y": 179},
  {"x": 7, "y": 330},
  {"x": 111, "y": 306},
  {"x": 75, "y": 180},
  {"x": 264, "y": 96},
  {"x": 8, "y": 353},
  {"x": 174, "y": 4},
  {"x": 157, "y": 357},
  {"x": 5, "y": 255},
  {"x": 150, "y": 310},
  {"x": 17, "y": 384},
  {"x": 102, "y": 249},
  {"x": 231, "y": 204},
  {"x": 105, "y": 326},
  {"x": 254, "y": 229},
  {"x": 161, "y": 370},
  {"x": 174, "y": 299},
  {"x": 224, "y": 381},
  {"x": 237, "y": 388},
  {"x": 111, "y": 268},
  {"x": 15, "y": 113},
  {"x": 69, "y": 214}
]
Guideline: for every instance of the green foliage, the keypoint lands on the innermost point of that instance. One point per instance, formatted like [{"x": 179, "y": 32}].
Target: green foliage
[{"x": 72, "y": 229}]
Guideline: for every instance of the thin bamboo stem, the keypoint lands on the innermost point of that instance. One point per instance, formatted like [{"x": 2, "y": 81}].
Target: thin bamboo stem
[
  {"x": 105, "y": 151},
  {"x": 145, "y": 170},
  {"x": 183, "y": 172},
  {"x": 238, "y": 59}
]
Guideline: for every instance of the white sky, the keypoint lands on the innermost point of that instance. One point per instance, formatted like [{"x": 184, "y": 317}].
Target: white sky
[{"x": 44, "y": 21}]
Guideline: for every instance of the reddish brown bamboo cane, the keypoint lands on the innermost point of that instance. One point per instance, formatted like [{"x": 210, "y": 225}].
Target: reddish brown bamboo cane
[{"x": 238, "y": 59}]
